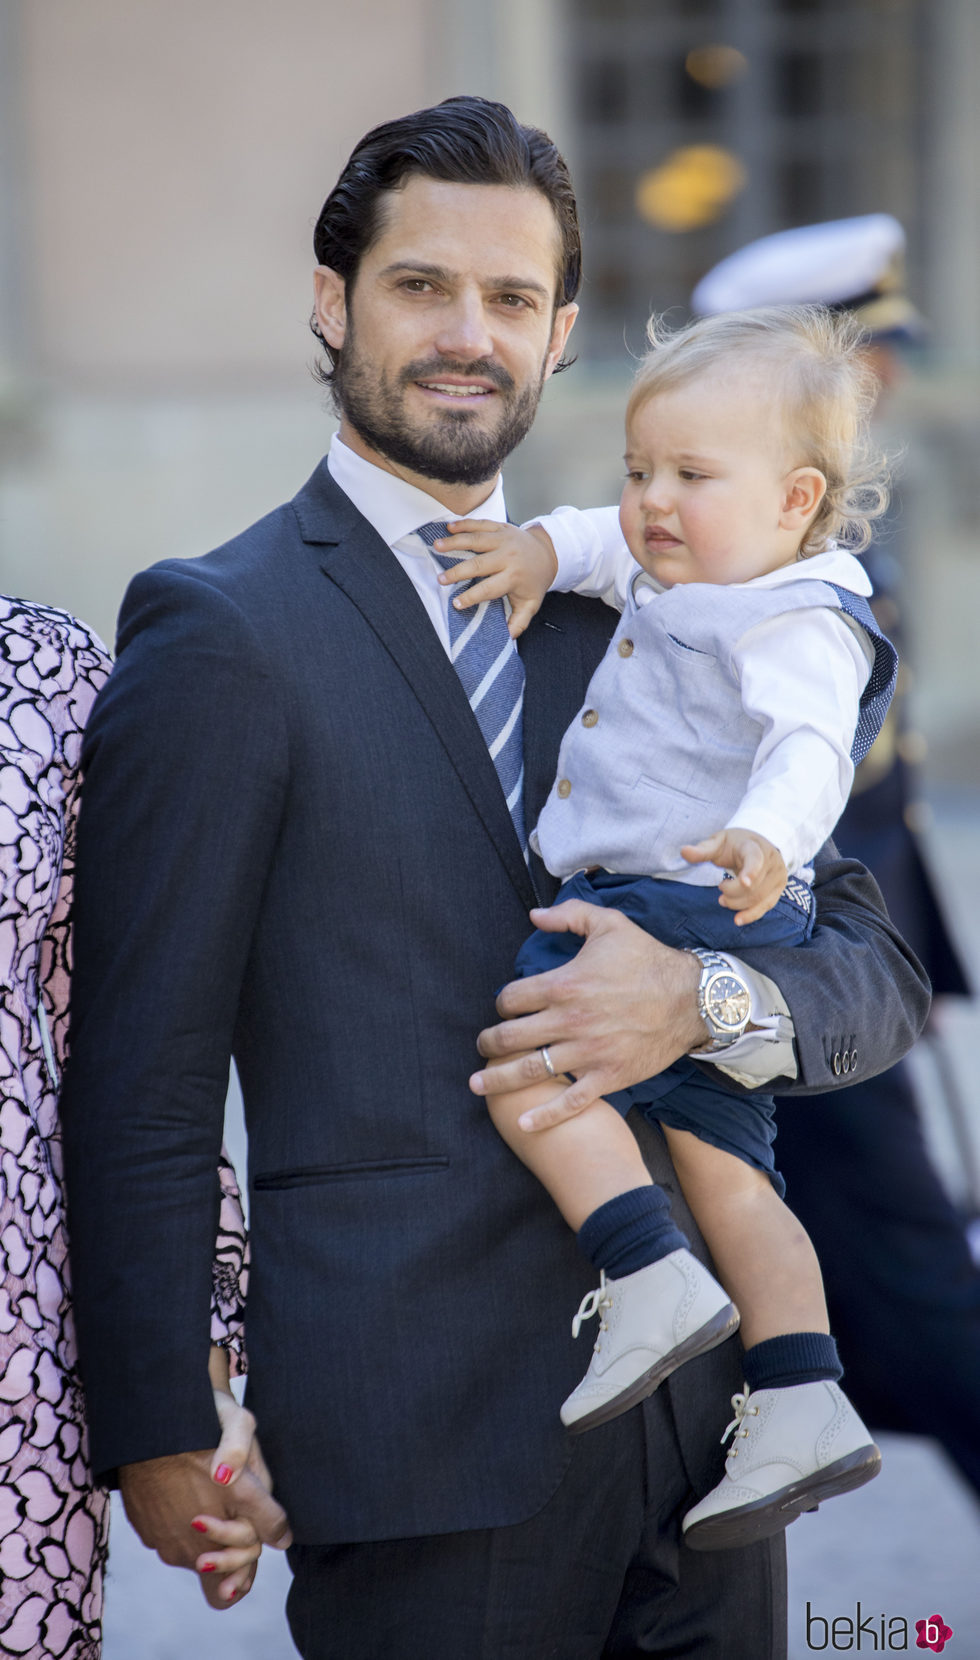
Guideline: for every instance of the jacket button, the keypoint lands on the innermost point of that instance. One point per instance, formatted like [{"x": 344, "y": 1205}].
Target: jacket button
[
  {"x": 854, "y": 1059},
  {"x": 837, "y": 1064},
  {"x": 625, "y": 648},
  {"x": 564, "y": 787},
  {"x": 590, "y": 717},
  {"x": 846, "y": 1061}
]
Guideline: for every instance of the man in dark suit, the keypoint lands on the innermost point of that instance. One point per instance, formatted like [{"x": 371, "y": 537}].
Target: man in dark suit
[{"x": 296, "y": 848}]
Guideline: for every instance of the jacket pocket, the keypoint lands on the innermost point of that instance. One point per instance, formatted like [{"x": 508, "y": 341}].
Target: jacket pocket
[{"x": 358, "y": 1170}]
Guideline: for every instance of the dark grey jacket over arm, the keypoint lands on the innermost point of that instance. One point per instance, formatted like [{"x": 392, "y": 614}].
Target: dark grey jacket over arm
[{"x": 294, "y": 850}]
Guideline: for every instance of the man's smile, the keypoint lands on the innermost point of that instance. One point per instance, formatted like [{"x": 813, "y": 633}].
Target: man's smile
[{"x": 457, "y": 390}]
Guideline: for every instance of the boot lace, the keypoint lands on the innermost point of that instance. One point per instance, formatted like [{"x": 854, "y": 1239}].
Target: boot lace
[
  {"x": 742, "y": 1409},
  {"x": 591, "y": 1304}
]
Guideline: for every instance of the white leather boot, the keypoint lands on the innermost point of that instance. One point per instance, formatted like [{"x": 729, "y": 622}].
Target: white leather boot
[
  {"x": 650, "y": 1322},
  {"x": 791, "y": 1448}
]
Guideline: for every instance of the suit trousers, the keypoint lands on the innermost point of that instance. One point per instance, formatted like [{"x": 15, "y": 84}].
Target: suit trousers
[{"x": 598, "y": 1574}]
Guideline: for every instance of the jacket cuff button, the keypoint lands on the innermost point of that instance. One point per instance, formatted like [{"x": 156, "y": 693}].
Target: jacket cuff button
[{"x": 837, "y": 1063}]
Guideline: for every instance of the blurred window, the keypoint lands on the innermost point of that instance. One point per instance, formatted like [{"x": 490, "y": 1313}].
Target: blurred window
[{"x": 702, "y": 124}]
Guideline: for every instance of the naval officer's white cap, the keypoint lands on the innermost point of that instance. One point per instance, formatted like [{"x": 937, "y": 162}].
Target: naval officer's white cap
[{"x": 849, "y": 264}]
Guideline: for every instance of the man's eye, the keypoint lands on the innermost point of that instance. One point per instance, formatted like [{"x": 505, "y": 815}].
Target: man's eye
[
  {"x": 513, "y": 302},
  {"x": 417, "y": 285}
]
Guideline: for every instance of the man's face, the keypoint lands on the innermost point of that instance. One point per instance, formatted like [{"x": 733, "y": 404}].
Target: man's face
[{"x": 448, "y": 331}]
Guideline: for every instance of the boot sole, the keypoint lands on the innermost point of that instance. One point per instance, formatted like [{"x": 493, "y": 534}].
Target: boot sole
[
  {"x": 721, "y": 1326},
  {"x": 760, "y": 1520}
]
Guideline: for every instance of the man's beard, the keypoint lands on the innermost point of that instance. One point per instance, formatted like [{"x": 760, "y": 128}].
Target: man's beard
[{"x": 454, "y": 449}]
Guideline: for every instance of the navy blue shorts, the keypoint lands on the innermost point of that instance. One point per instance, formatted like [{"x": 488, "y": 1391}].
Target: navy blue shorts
[{"x": 680, "y": 914}]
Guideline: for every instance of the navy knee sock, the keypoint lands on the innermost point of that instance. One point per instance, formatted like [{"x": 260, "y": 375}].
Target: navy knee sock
[
  {"x": 797, "y": 1357},
  {"x": 630, "y": 1232}
]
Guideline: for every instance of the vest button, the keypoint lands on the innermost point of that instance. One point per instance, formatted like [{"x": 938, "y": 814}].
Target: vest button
[
  {"x": 564, "y": 787},
  {"x": 625, "y": 648},
  {"x": 590, "y": 717}
]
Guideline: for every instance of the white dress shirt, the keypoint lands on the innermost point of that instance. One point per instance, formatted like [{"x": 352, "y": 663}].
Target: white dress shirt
[{"x": 395, "y": 509}]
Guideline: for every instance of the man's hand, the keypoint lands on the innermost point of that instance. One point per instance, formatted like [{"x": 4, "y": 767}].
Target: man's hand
[
  {"x": 622, "y": 1010},
  {"x": 165, "y": 1496},
  {"x": 503, "y": 560},
  {"x": 759, "y": 871}
]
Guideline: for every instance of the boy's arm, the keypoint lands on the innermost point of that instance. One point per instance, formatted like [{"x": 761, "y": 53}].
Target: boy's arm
[
  {"x": 593, "y": 559},
  {"x": 801, "y": 677},
  {"x": 498, "y": 561},
  {"x": 570, "y": 550}
]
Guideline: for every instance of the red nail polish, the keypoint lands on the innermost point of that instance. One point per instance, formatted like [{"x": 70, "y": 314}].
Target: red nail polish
[
  {"x": 232, "y": 1595},
  {"x": 200, "y": 1527},
  {"x": 223, "y": 1474},
  {"x": 209, "y": 1567}
]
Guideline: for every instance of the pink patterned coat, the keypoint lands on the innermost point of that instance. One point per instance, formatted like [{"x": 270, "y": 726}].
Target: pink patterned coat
[{"x": 53, "y": 1520}]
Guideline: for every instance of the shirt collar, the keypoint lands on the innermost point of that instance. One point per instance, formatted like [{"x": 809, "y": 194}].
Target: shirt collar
[
  {"x": 393, "y": 507},
  {"x": 834, "y": 565}
]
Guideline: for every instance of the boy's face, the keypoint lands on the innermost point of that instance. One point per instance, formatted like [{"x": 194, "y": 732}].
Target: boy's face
[{"x": 706, "y": 485}]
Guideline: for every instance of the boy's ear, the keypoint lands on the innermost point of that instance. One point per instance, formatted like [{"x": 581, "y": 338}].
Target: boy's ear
[{"x": 803, "y": 491}]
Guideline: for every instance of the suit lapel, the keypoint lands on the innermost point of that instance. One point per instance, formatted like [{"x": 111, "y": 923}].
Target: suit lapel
[{"x": 353, "y": 557}]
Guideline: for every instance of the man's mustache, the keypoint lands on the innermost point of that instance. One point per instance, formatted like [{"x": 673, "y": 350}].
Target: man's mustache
[{"x": 436, "y": 368}]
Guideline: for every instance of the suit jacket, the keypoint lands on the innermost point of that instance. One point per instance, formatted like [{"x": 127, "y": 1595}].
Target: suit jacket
[{"x": 294, "y": 848}]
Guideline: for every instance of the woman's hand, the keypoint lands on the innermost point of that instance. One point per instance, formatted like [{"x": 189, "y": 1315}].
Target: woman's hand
[{"x": 231, "y": 1545}]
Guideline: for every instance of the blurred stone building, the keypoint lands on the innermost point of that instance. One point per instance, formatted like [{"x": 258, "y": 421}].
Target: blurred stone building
[{"x": 161, "y": 165}]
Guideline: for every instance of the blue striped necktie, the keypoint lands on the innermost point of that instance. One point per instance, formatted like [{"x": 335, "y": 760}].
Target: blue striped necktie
[{"x": 492, "y": 675}]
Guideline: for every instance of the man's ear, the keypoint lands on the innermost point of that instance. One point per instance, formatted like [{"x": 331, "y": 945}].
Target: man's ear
[
  {"x": 330, "y": 305},
  {"x": 564, "y": 318},
  {"x": 803, "y": 491}
]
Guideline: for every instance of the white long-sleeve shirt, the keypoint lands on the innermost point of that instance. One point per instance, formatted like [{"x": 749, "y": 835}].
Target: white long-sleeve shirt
[{"x": 798, "y": 676}]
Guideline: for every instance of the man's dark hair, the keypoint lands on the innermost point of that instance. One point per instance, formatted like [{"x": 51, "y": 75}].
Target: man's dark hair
[{"x": 463, "y": 140}]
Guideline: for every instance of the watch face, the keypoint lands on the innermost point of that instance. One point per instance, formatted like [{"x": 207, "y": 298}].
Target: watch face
[{"x": 727, "y": 1001}]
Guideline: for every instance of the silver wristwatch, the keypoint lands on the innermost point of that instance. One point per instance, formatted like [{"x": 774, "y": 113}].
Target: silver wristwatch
[{"x": 724, "y": 1001}]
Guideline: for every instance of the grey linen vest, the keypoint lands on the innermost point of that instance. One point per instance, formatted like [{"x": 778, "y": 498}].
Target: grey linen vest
[{"x": 662, "y": 750}]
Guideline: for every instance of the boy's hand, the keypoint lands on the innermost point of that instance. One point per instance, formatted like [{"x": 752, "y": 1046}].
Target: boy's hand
[
  {"x": 504, "y": 560},
  {"x": 759, "y": 871}
]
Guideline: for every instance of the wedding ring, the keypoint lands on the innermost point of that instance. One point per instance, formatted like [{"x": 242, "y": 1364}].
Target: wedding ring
[{"x": 548, "y": 1065}]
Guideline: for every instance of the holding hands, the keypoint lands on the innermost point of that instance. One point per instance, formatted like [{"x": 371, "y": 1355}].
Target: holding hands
[
  {"x": 758, "y": 872},
  {"x": 210, "y": 1511},
  {"x": 503, "y": 560}
]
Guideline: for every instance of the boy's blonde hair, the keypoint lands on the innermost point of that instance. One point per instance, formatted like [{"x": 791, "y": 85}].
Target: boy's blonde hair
[{"x": 822, "y": 385}]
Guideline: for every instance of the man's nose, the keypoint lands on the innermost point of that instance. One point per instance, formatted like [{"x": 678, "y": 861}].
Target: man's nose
[{"x": 464, "y": 330}]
